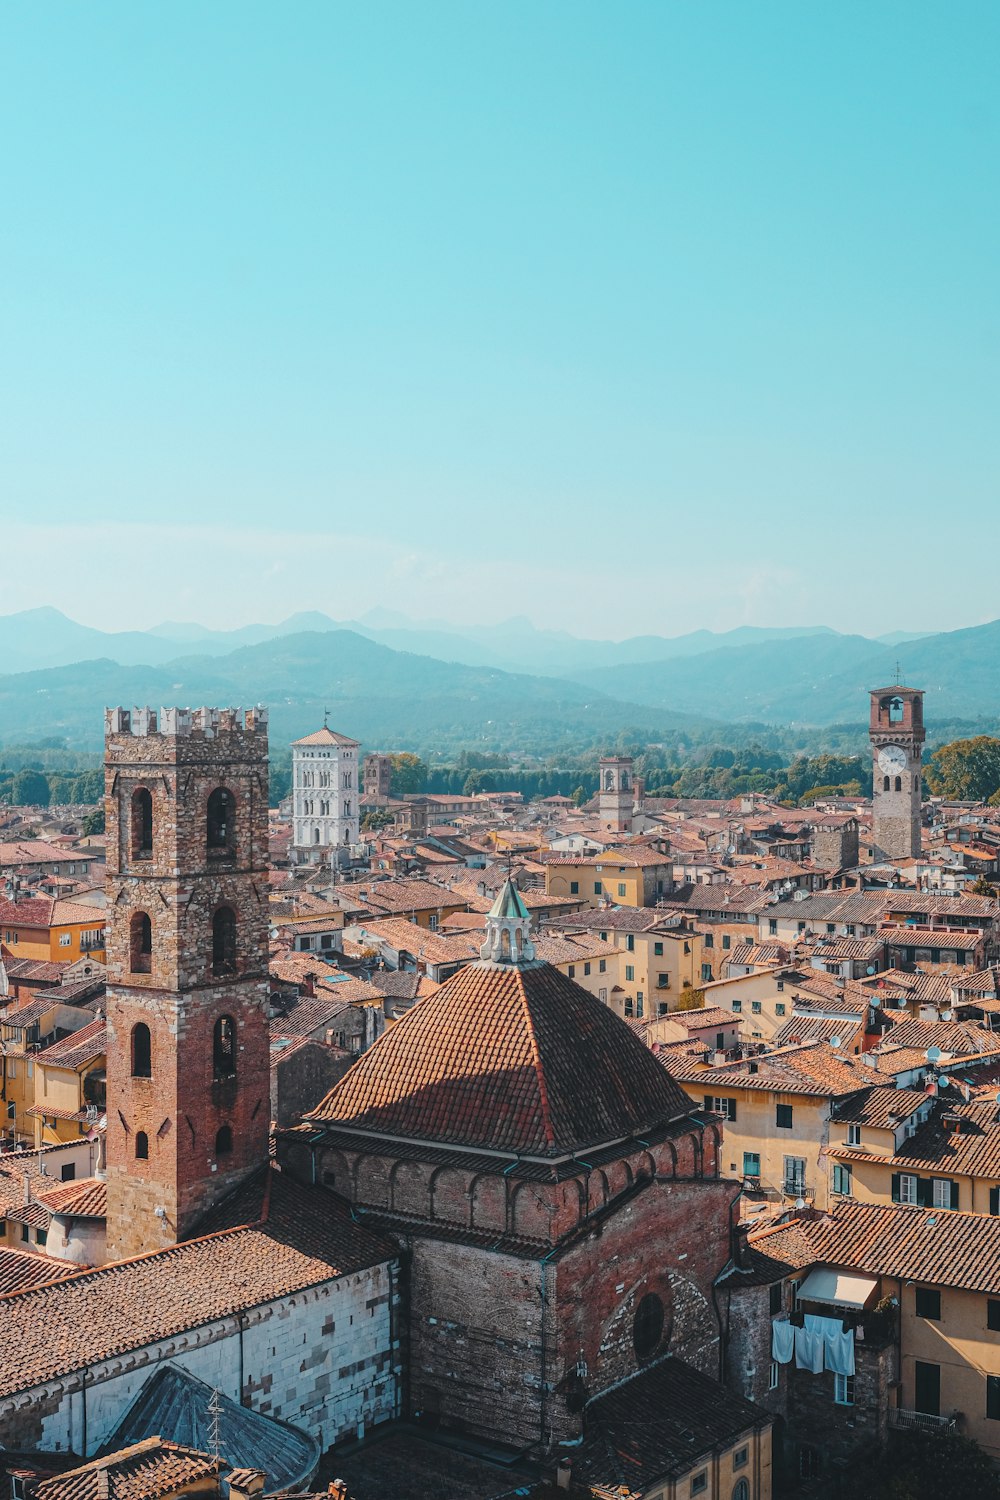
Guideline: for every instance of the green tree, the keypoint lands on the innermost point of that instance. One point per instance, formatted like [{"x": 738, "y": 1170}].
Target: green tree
[
  {"x": 93, "y": 822},
  {"x": 409, "y": 774},
  {"x": 968, "y": 770},
  {"x": 578, "y": 796},
  {"x": 30, "y": 789},
  {"x": 376, "y": 818}
]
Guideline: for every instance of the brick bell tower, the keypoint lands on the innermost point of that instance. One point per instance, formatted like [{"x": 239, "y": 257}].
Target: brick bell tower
[
  {"x": 897, "y": 734},
  {"x": 187, "y": 953}
]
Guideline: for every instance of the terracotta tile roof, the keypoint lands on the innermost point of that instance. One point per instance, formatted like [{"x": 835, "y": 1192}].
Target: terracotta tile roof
[
  {"x": 612, "y": 919},
  {"x": 812, "y": 1069},
  {"x": 37, "y": 851},
  {"x": 800, "y": 1028},
  {"x": 507, "y": 1058},
  {"x": 327, "y": 736},
  {"x": 404, "y": 895},
  {"x": 292, "y": 1237},
  {"x": 83, "y": 1199},
  {"x": 958, "y": 1038},
  {"x": 937, "y": 1246},
  {"x": 20, "y": 1270},
  {"x": 880, "y": 1105},
  {"x": 972, "y": 1150},
  {"x": 707, "y": 1015},
  {"x": 143, "y": 1472},
  {"x": 79, "y": 1048}
]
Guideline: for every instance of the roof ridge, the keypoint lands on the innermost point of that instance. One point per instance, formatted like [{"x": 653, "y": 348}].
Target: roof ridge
[{"x": 536, "y": 1061}]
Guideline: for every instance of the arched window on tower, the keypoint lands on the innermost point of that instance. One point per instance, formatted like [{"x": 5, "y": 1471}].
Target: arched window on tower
[
  {"x": 140, "y": 949},
  {"x": 224, "y": 941},
  {"x": 220, "y": 830},
  {"x": 899, "y": 783},
  {"x": 224, "y": 1140},
  {"x": 141, "y": 1146},
  {"x": 142, "y": 1051},
  {"x": 142, "y": 823},
  {"x": 885, "y": 783},
  {"x": 895, "y": 710},
  {"x": 224, "y": 1048}
]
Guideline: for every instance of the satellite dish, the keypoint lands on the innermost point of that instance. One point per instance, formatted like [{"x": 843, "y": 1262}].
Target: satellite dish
[
  {"x": 835, "y": 1041},
  {"x": 933, "y": 1054},
  {"x": 870, "y": 969}
]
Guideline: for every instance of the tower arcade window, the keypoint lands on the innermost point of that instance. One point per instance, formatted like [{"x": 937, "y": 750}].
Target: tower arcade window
[
  {"x": 142, "y": 822},
  {"x": 141, "y": 1146},
  {"x": 224, "y": 941},
  {"x": 899, "y": 783},
  {"x": 142, "y": 1051},
  {"x": 224, "y": 1048},
  {"x": 220, "y": 829},
  {"x": 895, "y": 710},
  {"x": 140, "y": 934},
  {"x": 224, "y": 1140},
  {"x": 885, "y": 783}
]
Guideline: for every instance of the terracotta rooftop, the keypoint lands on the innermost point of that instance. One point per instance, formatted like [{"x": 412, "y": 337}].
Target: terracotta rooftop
[
  {"x": 881, "y": 1105},
  {"x": 936, "y": 1246},
  {"x": 19, "y": 1270},
  {"x": 812, "y": 1069},
  {"x": 326, "y": 736},
  {"x": 79, "y": 1048},
  {"x": 86, "y": 1198},
  {"x": 269, "y": 1240},
  {"x": 507, "y": 1058},
  {"x": 143, "y": 1472}
]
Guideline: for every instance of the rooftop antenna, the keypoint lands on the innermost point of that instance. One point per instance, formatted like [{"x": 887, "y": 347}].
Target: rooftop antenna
[
  {"x": 326, "y": 711},
  {"x": 899, "y": 675},
  {"x": 214, "y": 1413}
]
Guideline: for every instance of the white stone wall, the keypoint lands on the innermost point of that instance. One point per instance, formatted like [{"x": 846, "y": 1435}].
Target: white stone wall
[
  {"x": 326, "y": 797},
  {"x": 325, "y": 1360}
]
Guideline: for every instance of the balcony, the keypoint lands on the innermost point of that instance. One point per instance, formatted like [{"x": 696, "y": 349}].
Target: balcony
[{"x": 901, "y": 1420}]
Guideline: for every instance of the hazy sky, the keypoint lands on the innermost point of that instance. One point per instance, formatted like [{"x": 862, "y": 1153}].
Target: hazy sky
[{"x": 627, "y": 316}]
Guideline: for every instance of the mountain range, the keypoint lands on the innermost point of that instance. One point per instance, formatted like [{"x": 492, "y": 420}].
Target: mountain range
[{"x": 395, "y": 682}]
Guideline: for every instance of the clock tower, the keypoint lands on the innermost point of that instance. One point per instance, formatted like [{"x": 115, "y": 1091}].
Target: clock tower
[{"x": 896, "y": 731}]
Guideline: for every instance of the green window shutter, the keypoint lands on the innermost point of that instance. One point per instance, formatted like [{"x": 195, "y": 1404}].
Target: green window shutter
[
  {"x": 732, "y": 1110},
  {"x": 925, "y": 1192},
  {"x": 995, "y": 1200},
  {"x": 954, "y": 1195},
  {"x": 708, "y": 1103},
  {"x": 895, "y": 1187}
]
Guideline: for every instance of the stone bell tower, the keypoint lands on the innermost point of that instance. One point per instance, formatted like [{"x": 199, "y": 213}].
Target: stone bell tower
[
  {"x": 616, "y": 796},
  {"x": 897, "y": 734},
  {"x": 188, "y": 1056}
]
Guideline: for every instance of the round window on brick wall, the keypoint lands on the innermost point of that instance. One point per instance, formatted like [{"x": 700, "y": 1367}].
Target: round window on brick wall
[{"x": 647, "y": 1326}]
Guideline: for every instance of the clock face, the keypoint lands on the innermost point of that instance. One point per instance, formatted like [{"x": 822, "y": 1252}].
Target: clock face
[{"x": 892, "y": 760}]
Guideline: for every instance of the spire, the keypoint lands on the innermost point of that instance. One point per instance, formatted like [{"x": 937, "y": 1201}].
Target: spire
[{"x": 508, "y": 929}]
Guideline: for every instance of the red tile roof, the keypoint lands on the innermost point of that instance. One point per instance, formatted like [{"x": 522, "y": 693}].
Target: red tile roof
[
  {"x": 143, "y": 1472},
  {"x": 270, "y": 1239},
  {"x": 507, "y": 1058}
]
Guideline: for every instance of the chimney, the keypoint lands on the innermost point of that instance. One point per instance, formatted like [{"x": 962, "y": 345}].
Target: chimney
[
  {"x": 741, "y": 1236},
  {"x": 564, "y": 1474},
  {"x": 337, "y": 1490},
  {"x": 103, "y": 1487}
]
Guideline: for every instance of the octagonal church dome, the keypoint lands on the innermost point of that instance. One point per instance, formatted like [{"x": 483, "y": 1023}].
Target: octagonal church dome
[{"x": 509, "y": 1055}]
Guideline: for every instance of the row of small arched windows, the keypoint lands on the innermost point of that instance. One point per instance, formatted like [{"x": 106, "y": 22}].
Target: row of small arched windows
[
  {"x": 223, "y": 1143},
  {"x": 223, "y": 943},
  {"x": 223, "y": 1049},
  {"x": 220, "y": 822},
  {"x": 897, "y": 783}
]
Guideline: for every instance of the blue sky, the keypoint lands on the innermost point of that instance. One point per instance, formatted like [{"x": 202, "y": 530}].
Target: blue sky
[{"x": 644, "y": 316}]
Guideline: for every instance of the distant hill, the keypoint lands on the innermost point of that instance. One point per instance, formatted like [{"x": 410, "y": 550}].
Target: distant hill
[
  {"x": 381, "y": 696},
  {"x": 818, "y": 679},
  {"x": 38, "y": 638}
]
